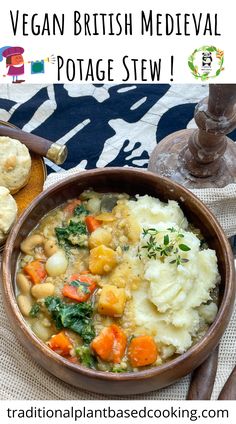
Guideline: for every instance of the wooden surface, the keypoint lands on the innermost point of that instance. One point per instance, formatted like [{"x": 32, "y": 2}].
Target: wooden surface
[
  {"x": 131, "y": 181},
  {"x": 203, "y": 378},
  {"x": 229, "y": 390},
  {"x": 168, "y": 160}
]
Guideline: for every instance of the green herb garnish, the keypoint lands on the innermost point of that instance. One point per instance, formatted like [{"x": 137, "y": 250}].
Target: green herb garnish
[
  {"x": 169, "y": 247},
  {"x": 150, "y": 231},
  {"x": 74, "y": 316},
  {"x": 184, "y": 247},
  {"x": 86, "y": 357},
  {"x": 125, "y": 248},
  {"x": 34, "y": 310},
  {"x": 166, "y": 240}
]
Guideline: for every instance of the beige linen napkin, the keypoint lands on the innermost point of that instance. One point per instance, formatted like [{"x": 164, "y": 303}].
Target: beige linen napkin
[{"x": 22, "y": 378}]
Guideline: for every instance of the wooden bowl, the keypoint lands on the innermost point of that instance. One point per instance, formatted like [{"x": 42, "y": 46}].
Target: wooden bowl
[{"x": 131, "y": 181}]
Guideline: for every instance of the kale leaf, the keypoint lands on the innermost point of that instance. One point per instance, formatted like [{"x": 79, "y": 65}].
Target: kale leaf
[
  {"x": 73, "y": 234},
  {"x": 86, "y": 357},
  {"x": 34, "y": 311},
  {"x": 74, "y": 316},
  {"x": 118, "y": 369},
  {"x": 81, "y": 210},
  {"x": 54, "y": 306}
]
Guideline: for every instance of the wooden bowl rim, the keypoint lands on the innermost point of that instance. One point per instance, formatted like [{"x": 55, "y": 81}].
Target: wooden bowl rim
[{"x": 213, "y": 331}]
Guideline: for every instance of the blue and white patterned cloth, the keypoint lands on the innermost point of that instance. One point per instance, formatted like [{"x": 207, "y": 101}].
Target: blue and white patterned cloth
[{"x": 102, "y": 125}]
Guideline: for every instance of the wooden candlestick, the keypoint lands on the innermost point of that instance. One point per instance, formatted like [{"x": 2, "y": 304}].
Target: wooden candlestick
[{"x": 203, "y": 157}]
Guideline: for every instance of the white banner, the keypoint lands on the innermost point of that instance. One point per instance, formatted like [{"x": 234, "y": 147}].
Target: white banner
[
  {"x": 125, "y": 41},
  {"x": 120, "y": 411}
]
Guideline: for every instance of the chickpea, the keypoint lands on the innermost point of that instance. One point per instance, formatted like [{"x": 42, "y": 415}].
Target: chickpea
[
  {"x": 25, "y": 304},
  {"x": 40, "y": 291},
  {"x": 50, "y": 247},
  {"x": 46, "y": 322},
  {"x": 23, "y": 283},
  {"x": 28, "y": 245},
  {"x": 49, "y": 280}
]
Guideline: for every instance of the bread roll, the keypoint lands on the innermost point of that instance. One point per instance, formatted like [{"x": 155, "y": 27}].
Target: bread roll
[
  {"x": 8, "y": 212},
  {"x": 15, "y": 164}
]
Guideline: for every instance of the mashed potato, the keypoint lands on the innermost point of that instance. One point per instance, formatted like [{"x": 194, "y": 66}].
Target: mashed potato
[
  {"x": 149, "y": 211},
  {"x": 173, "y": 302}
]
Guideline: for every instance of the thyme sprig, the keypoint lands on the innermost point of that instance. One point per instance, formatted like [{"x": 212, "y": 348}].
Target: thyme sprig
[{"x": 169, "y": 247}]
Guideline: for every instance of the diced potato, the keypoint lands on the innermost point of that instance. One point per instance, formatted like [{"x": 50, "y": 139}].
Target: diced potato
[
  {"x": 112, "y": 301},
  {"x": 98, "y": 237},
  {"x": 124, "y": 275},
  {"x": 102, "y": 260},
  {"x": 93, "y": 205}
]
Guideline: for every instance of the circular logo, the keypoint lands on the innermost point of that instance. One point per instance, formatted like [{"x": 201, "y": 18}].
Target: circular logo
[{"x": 206, "y": 62}]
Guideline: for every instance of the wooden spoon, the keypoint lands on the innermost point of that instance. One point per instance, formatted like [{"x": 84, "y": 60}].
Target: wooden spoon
[
  {"x": 36, "y": 144},
  {"x": 203, "y": 378},
  {"x": 229, "y": 390}
]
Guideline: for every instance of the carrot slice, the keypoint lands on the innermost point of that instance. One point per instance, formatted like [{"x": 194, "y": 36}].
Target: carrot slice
[
  {"x": 60, "y": 343},
  {"x": 110, "y": 344},
  {"x": 119, "y": 345},
  {"x": 82, "y": 292},
  {"x": 70, "y": 207},
  {"x": 92, "y": 223},
  {"x": 36, "y": 271},
  {"x": 142, "y": 351}
]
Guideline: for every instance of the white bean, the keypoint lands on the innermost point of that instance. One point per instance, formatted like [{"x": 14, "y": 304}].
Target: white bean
[
  {"x": 23, "y": 283},
  {"x": 27, "y": 246},
  {"x": 46, "y": 322},
  {"x": 41, "y": 331},
  {"x": 25, "y": 304},
  {"x": 40, "y": 291}
]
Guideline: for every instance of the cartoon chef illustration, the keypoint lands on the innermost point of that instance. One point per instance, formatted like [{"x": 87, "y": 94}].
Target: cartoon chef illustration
[{"x": 15, "y": 63}]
